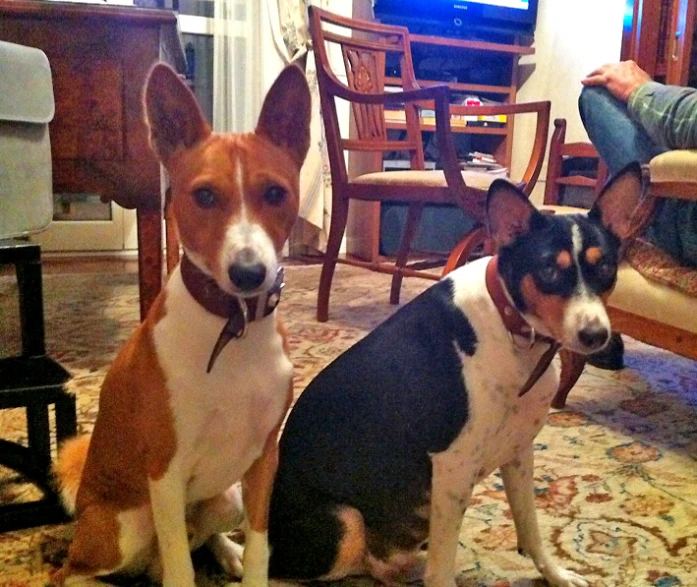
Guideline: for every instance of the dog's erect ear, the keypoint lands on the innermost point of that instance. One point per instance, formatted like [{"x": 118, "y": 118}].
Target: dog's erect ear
[
  {"x": 285, "y": 115},
  {"x": 509, "y": 212},
  {"x": 172, "y": 113},
  {"x": 617, "y": 203}
]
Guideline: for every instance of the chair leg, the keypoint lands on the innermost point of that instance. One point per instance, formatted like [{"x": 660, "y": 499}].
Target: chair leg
[
  {"x": 31, "y": 308},
  {"x": 463, "y": 250},
  {"x": 66, "y": 418},
  {"x": 336, "y": 234},
  {"x": 171, "y": 235},
  {"x": 149, "y": 223},
  {"x": 39, "y": 434},
  {"x": 410, "y": 228},
  {"x": 571, "y": 368}
]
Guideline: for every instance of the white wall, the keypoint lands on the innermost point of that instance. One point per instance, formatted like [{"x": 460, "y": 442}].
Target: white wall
[{"x": 573, "y": 37}]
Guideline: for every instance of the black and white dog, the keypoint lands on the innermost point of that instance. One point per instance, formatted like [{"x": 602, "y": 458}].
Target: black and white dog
[{"x": 382, "y": 450}]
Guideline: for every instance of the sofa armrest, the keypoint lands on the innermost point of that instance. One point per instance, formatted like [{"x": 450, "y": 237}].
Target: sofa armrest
[{"x": 673, "y": 174}]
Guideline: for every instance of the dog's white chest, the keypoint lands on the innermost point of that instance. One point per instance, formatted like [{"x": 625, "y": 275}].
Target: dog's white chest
[
  {"x": 499, "y": 422},
  {"x": 222, "y": 418}
]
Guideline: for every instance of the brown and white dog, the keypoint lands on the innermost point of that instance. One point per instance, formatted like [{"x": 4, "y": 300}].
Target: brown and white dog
[{"x": 193, "y": 403}]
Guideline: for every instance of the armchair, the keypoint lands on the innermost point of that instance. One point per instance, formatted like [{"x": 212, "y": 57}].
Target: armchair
[
  {"x": 655, "y": 298},
  {"x": 364, "y": 47}
]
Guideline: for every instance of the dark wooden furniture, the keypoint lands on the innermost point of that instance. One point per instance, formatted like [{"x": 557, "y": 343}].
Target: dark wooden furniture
[
  {"x": 365, "y": 47},
  {"x": 659, "y": 38},
  {"x": 483, "y": 68},
  {"x": 100, "y": 57},
  {"x": 559, "y": 150},
  {"x": 33, "y": 381}
]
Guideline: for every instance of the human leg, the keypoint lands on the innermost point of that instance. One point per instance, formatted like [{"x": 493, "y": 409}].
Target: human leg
[{"x": 619, "y": 139}]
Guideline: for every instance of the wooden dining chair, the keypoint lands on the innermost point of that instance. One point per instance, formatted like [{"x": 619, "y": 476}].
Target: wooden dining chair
[
  {"x": 364, "y": 48},
  {"x": 559, "y": 152}
]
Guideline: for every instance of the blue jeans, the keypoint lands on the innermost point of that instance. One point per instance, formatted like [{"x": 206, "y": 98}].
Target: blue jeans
[{"x": 620, "y": 140}]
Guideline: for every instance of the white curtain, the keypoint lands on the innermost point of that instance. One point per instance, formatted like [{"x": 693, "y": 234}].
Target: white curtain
[
  {"x": 254, "y": 39},
  {"x": 289, "y": 27},
  {"x": 237, "y": 65}
]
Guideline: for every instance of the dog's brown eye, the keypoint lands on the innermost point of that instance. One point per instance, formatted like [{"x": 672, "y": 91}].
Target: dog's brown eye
[
  {"x": 275, "y": 195},
  {"x": 205, "y": 198}
]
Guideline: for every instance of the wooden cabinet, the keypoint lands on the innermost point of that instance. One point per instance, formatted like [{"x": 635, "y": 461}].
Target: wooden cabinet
[
  {"x": 660, "y": 39},
  {"x": 100, "y": 57},
  {"x": 469, "y": 67}
]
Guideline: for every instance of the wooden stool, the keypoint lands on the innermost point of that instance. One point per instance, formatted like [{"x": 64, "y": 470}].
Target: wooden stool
[{"x": 33, "y": 381}]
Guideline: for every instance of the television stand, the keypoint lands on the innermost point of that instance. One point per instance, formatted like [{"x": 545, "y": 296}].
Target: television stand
[{"x": 457, "y": 30}]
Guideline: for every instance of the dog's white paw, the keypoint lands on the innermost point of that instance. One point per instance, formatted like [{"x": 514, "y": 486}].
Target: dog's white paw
[
  {"x": 439, "y": 583},
  {"x": 178, "y": 581},
  {"x": 228, "y": 554},
  {"x": 561, "y": 577},
  {"x": 436, "y": 580},
  {"x": 182, "y": 578}
]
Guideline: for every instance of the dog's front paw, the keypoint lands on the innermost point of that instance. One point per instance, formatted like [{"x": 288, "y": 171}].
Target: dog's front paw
[
  {"x": 178, "y": 580},
  {"x": 561, "y": 577},
  {"x": 439, "y": 580},
  {"x": 228, "y": 554},
  {"x": 255, "y": 577}
]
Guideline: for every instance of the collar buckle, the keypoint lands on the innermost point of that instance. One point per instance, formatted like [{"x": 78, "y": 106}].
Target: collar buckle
[{"x": 525, "y": 345}]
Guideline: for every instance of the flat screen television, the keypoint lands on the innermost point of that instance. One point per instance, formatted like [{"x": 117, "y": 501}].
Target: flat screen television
[{"x": 515, "y": 16}]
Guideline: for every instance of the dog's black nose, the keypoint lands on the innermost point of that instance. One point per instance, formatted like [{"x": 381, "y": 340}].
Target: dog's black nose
[
  {"x": 594, "y": 337},
  {"x": 247, "y": 276}
]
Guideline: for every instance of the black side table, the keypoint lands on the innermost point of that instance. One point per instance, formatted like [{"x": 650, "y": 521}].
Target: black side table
[{"x": 33, "y": 381}]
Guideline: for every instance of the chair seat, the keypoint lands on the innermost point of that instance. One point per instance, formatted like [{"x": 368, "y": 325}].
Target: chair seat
[
  {"x": 474, "y": 179},
  {"x": 651, "y": 299},
  {"x": 677, "y": 166},
  {"x": 27, "y": 377}
]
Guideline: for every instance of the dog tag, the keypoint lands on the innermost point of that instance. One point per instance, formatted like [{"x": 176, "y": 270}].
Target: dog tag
[{"x": 235, "y": 327}]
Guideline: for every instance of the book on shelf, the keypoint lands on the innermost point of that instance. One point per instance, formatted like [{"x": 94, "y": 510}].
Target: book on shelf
[
  {"x": 485, "y": 162},
  {"x": 465, "y": 165},
  {"x": 498, "y": 171},
  {"x": 428, "y": 116},
  {"x": 395, "y": 115},
  {"x": 403, "y": 164}
]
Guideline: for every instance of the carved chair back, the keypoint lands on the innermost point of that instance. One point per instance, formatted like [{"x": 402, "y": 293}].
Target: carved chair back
[{"x": 365, "y": 49}]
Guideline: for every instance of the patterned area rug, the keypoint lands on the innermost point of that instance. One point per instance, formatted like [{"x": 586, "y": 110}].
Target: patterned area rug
[{"x": 616, "y": 471}]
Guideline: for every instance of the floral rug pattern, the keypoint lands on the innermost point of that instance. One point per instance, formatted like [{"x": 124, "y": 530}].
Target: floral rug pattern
[{"x": 616, "y": 471}]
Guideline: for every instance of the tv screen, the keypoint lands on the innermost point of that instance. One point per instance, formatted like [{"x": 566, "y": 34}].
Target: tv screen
[{"x": 506, "y": 15}]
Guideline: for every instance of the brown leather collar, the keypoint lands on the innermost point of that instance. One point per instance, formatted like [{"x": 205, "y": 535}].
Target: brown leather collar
[
  {"x": 238, "y": 311},
  {"x": 517, "y": 325}
]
